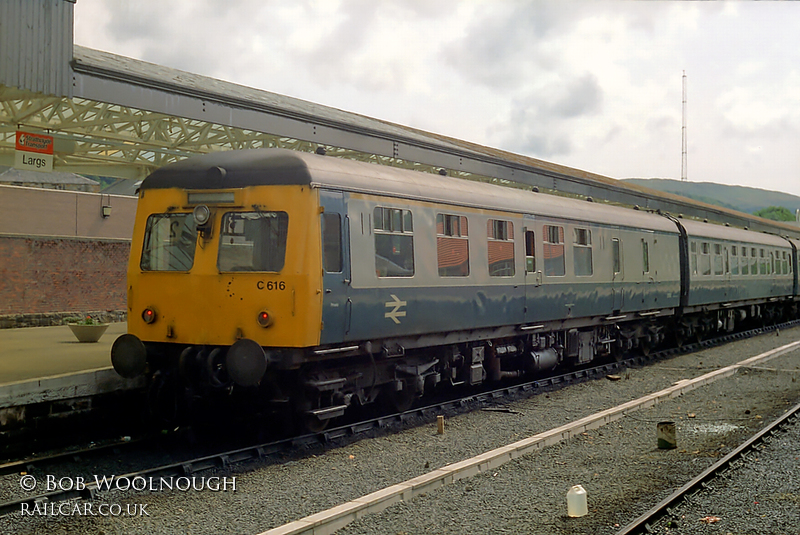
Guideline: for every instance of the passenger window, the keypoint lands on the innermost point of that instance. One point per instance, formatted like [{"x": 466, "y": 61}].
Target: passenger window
[
  {"x": 705, "y": 259},
  {"x": 582, "y": 252},
  {"x": 394, "y": 242},
  {"x": 452, "y": 245},
  {"x": 753, "y": 261},
  {"x": 530, "y": 251},
  {"x": 762, "y": 262},
  {"x": 554, "y": 251},
  {"x": 331, "y": 242},
  {"x": 501, "y": 248},
  {"x": 745, "y": 263},
  {"x": 718, "y": 267},
  {"x": 734, "y": 260}
]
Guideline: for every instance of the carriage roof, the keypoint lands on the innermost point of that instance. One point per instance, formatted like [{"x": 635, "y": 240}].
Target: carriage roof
[{"x": 265, "y": 167}]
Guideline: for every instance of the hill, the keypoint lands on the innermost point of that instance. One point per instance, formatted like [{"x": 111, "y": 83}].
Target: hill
[{"x": 741, "y": 198}]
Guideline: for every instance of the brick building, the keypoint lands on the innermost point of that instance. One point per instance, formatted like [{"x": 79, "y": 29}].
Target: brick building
[{"x": 62, "y": 253}]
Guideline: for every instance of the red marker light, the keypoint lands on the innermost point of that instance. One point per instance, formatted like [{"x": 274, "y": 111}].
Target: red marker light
[
  {"x": 264, "y": 319},
  {"x": 149, "y": 315}
]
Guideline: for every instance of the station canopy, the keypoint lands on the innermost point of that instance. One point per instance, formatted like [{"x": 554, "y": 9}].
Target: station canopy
[{"x": 128, "y": 117}]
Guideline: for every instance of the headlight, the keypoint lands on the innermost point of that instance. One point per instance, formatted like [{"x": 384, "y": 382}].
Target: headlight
[{"x": 201, "y": 214}]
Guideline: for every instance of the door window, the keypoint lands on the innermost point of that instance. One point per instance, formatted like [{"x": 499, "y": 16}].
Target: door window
[{"x": 331, "y": 242}]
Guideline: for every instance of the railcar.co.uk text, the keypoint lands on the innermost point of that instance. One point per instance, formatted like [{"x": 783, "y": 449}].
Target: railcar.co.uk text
[{"x": 52, "y": 483}]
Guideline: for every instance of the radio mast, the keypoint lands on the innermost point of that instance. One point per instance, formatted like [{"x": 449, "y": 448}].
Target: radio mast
[{"x": 683, "y": 133}]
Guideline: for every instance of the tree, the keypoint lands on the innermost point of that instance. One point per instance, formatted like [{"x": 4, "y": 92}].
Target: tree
[{"x": 775, "y": 213}]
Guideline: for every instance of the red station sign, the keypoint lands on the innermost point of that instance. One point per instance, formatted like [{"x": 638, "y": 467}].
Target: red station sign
[{"x": 34, "y": 143}]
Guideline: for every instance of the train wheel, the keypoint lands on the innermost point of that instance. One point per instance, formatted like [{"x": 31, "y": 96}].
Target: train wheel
[
  {"x": 617, "y": 353},
  {"x": 398, "y": 400},
  {"x": 312, "y": 424},
  {"x": 699, "y": 335},
  {"x": 680, "y": 338},
  {"x": 303, "y": 402}
]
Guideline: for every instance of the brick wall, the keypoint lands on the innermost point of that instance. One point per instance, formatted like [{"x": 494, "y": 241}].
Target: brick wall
[
  {"x": 60, "y": 255},
  {"x": 44, "y": 278}
]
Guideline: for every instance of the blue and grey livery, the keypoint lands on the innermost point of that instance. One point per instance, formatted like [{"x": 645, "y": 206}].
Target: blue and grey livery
[{"x": 421, "y": 279}]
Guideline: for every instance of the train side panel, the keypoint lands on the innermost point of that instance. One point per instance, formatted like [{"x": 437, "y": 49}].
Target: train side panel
[
  {"x": 397, "y": 289},
  {"x": 732, "y": 265},
  {"x": 514, "y": 269}
]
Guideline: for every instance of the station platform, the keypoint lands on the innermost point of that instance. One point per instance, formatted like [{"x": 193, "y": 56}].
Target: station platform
[{"x": 39, "y": 364}]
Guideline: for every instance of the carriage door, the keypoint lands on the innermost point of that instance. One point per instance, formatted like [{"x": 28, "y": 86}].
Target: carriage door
[
  {"x": 618, "y": 274},
  {"x": 533, "y": 275},
  {"x": 730, "y": 290},
  {"x": 335, "y": 231}
]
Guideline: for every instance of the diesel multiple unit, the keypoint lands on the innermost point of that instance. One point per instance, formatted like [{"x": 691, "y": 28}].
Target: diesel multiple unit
[{"x": 314, "y": 283}]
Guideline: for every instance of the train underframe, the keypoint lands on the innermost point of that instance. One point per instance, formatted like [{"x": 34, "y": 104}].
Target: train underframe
[{"x": 314, "y": 387}]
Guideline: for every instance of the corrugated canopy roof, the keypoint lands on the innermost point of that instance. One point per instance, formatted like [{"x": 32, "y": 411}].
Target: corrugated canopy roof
[{"x": 13, "y": 176}]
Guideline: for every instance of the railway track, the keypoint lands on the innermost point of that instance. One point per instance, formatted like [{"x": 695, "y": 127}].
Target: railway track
[
  {"x": 669, "y": 508},
  {"x": 30, "y": 464},
  {"x": 348, "y": 432},
  {"x": 263, "y": 451},
  {"x": 491, "y": 461},
  {"x": 70, "y": 424}
]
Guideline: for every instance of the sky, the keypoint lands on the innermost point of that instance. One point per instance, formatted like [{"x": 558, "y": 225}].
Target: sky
[{"x": 594, "y": 85}]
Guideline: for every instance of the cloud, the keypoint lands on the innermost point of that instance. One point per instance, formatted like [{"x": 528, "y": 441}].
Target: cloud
[
  {"x": 506, "y": 43},
  {"x": 579, "y": 96},
  {"x": 593, "y": 85},
  {"x": 760, "y": 109},
  {"x": 545, "y": 122}
]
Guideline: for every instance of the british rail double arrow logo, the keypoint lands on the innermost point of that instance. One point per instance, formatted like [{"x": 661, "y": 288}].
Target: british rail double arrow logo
[{"x": 395, "y": 312}]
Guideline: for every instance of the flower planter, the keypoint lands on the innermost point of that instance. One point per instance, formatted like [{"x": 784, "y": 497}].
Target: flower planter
[{"x": 88, "y": 333}]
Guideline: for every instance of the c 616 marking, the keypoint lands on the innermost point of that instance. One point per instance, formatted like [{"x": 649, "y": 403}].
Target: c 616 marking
[{"x": 271, "y": 285}]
